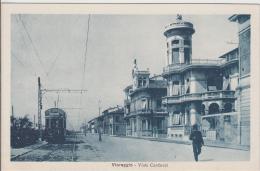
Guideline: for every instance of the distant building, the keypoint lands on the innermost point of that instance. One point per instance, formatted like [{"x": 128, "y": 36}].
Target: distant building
[
  {"x": 93, "y": 125},
  {"x": 244, "y": 76},
  {"x": 144, "y": 113},
  {"x": 110, "y": 122},
  {"x": 113, "y": 121},
  {"x": 199, "y": 91}
]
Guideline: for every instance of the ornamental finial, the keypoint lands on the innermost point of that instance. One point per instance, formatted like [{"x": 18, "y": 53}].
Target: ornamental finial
[{"x": 179, "y": 17}]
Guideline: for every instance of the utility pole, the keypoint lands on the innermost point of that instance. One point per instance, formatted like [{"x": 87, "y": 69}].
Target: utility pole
[
  {"x": 34, "y": 121},
  {"x": 42, "y": 91},
  {"x": 39, "y": 108},
  {"x": 99, "y": 107},
  {"x": 12, "y": 111}
]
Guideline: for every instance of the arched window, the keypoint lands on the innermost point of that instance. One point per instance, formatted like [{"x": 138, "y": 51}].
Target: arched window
[
  {"x": 213, "y": 108},
  {"x": 228, "y": 107}
]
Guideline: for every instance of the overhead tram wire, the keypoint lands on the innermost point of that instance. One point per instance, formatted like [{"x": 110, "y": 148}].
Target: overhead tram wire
[
  {"x": 85, "y": 54},
  {"x": 33, "y": 73},
  {"x": 84, "y": 65},
  {"x": 33, "y": 45},
  {"x": 54, "y": 62},
  {"x": 36, "y": 52},
  {"x": 25, "y": 44}
]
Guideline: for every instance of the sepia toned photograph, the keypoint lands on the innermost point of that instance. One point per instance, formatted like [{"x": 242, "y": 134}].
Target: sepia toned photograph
[{"x": 131, "y": 90}]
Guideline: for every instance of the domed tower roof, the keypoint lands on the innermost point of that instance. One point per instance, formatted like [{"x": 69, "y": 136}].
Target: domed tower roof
[{"x": 179, "y": 26}]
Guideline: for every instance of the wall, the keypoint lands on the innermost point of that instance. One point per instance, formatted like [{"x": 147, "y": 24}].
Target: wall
[
  {"x": 245, "y": 115},
  {"x": 119, "y": 126},
  {"x": 244, "y": 57},
  {"x": 198, "y": 81},
  {"x": 244, "y": 50}
]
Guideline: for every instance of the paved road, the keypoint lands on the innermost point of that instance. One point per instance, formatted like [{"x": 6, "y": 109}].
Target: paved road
[
  {"x": 88, "y": 148},
  {"x": 128, "y": 149}
]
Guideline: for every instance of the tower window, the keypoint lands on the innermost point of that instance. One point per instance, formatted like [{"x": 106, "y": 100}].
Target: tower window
[
  {"x": 175, "y": 49},
  {"x": 187, "y": 42},
  {"x": 159, "y": 103},
  {"x": 175, "y": 42},
  {"x": 175, "y": 56},
  {"x": 139, "y": 82},
  {"x": 186, "y": 55},
  {"x": 144, "y": 82}
]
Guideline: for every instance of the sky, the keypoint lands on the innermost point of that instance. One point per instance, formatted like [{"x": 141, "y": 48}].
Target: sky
[{"x": 53, "y": 46}]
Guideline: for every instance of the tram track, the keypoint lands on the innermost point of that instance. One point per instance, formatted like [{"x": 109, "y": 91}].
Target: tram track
[{"x": 51, "y": 152}]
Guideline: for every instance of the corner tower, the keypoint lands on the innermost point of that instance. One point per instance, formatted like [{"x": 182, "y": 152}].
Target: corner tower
[
  {"x": 140, "y": 78},
  {"x": 179, "y": 41}
]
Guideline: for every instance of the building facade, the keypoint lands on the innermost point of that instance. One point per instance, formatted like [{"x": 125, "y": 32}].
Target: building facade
[
  {"x": 110, "y": 122},
  {"x": 244, "y": 76},
  {"x": 199, "y": 91},
  {"x": 113, "y": 121},
  {"x": 144, "y": 113},
  {"x": 93, "y": 125}
]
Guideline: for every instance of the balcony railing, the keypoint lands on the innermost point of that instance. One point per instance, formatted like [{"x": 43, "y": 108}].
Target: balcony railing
[
  {"x": 200, "y": 62},
  {"x": 147, "y": 111},
  {"x": 206, "y": 62},
  {"x": 218, "y": 94},
  {"x": 199, "y": 96}
]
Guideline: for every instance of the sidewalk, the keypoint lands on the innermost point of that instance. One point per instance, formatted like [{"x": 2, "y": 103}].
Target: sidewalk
[
  {"x": 16, "y": 152},
  {"x": 206, "y": 143}
]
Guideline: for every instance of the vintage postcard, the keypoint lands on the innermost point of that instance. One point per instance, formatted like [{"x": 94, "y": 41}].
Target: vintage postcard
[{"x": 130, "y": 86}]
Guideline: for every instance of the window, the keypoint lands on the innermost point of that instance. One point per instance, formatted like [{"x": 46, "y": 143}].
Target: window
[
  {"x": 175, "y": 49},
  {"x": 47, "y": 123},
  {"x": 175, "y": 42},
  {"x": 144, "y": 104},
  {"x": 159, "y": 103},
  {"x": 139, "y": 82},
  {"x": 175, "y": 88},
  {"x": 117, "y": 128},
  {"x": 117, "y": 118},
  {"x": 186, "y": 55},
  {"x": 187, "y": 42},
  {"x": 187, "y": 86},
  {"x": 176, "y": 119},
  {"x": 143, "y": 125},
  {"x": 144, "y": 82},
  {"x": 175, "y": 56}
]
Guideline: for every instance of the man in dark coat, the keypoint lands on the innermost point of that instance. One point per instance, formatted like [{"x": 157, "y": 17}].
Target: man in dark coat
[{"x": 197, "y": 141}]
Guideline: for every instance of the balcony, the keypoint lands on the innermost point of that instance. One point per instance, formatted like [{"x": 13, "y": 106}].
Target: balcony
[
  {"x": 182, "y": 98},
  {"x": 220, "y": 94},
  {"x": 202, "y": 63},
  {"x": 147, "y": 112}
]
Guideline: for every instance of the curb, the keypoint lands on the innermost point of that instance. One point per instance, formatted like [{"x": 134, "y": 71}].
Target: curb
[
  {"x": 14, "y": 157},
  {"x": 235, "y": 147}
]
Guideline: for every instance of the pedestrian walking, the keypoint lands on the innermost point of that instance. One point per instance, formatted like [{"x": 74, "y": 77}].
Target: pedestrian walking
[{"x": 197, "y": 141}]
